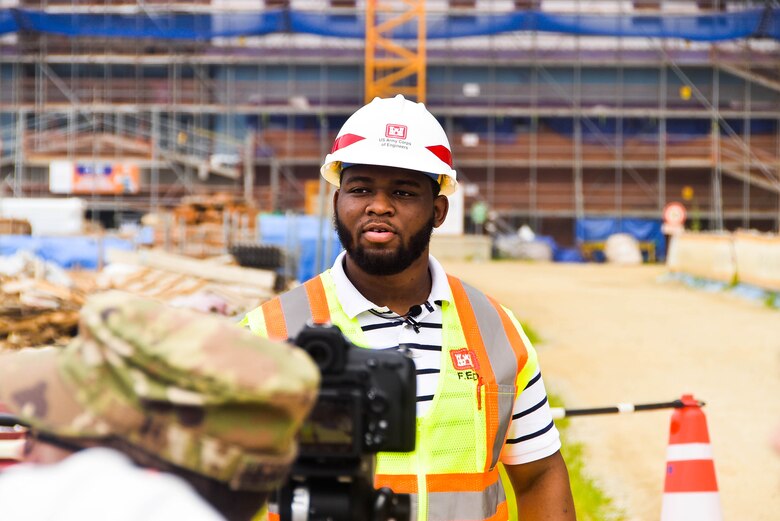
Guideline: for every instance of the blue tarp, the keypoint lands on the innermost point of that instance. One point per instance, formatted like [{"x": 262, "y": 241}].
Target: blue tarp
[
  {"x": 299, "y": 235},
  {"x": 176, "y": 26},
  {"x": 706, "y": 27},
  {"x": 598, "y": 229},
  {"x": 8, "y": 22},
  {"x": 568, "y": 255},
  {"x": 561, "y": 254},
  {"x": 770, "y": 26},
  {"x": 66, "y": 252},
  {"x": 203, "y": 26}
]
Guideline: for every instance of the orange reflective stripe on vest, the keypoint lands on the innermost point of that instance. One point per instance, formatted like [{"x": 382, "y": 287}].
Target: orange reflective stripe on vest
[
  {"x": 286, "y": 315},
  {"x": 455, "y": 482},
  {"x": 487, "y": 505},
  {"x": 318, "y": 301},
  {"x": 275, "y": 322},
  {"x": 471, "y": 331},
  {"x": 519, "y": 349},
  {"x": 454, "y": 496},
  {"x": 483, "y": 318}
]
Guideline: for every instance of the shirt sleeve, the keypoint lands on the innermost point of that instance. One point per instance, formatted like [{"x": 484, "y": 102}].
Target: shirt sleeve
[{"x": 532, "y": 433}]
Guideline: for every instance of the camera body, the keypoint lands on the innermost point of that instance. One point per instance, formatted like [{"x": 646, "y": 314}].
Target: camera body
[
  {"x": 367, "y": 404},
  {"x": 367, "y": 399}
]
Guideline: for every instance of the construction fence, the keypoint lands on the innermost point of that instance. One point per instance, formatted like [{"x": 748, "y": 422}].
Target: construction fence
[{"x": 742, "y": 257}]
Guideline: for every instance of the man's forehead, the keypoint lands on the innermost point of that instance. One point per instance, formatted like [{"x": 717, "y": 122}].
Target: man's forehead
[{"x": 372, "y": 173}]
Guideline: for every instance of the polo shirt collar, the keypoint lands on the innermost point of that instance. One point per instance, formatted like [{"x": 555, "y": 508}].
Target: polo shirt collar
[{"x": 353, "y": 302}]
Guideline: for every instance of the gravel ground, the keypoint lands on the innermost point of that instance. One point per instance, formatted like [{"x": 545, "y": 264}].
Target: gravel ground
[{"x": 618, "y": 334}]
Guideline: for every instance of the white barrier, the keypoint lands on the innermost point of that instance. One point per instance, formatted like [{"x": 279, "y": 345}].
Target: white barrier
[
  {"x": 48, "y": 216},
  {"x": 758, "y": 259},
  {"x": 708, "y": 256}
]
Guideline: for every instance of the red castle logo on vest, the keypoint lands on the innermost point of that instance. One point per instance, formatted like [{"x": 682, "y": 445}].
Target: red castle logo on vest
[
  {"x": 464, "y": 359},
  {"x": 395, "y": 131}
]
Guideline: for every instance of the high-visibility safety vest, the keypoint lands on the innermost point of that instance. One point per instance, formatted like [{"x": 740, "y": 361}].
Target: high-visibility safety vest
[{"x": 453, "y": 472}]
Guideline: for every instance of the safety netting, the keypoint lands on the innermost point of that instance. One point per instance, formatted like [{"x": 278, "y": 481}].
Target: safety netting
[{"x": 749, "y": 23}]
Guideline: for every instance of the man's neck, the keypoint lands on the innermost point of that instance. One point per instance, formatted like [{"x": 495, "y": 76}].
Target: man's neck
[{"x": 397, "y": 292}]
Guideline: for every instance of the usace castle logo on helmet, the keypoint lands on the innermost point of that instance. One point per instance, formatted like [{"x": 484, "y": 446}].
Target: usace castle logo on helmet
[{"x": 395, "y": 131}]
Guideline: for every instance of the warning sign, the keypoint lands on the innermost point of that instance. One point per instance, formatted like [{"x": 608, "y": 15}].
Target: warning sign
[{"x": 674, "y": 218}]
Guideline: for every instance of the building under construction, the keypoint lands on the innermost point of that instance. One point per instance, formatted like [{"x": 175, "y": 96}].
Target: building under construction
[{"x": 558, "y": 111}]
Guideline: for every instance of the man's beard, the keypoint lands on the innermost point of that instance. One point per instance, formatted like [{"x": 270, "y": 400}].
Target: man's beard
[{"x": 385, "y": 262}]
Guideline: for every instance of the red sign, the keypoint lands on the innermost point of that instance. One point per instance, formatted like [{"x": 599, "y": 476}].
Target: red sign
[
  {"x": 674, "y": 214},
  {"x": 395, "y": 131}
]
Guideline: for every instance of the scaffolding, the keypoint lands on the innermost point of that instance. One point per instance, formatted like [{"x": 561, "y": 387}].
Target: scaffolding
[
  {"x": 394, "y": 67},
  {"x": 546, "y": 129}
]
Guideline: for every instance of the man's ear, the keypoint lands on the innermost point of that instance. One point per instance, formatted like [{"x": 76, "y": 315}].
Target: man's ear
[
  {"x": 441, "y": 206},
  {"x": 335, "y": 199}
]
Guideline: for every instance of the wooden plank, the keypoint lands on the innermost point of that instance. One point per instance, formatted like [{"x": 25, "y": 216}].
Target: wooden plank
[{"x": 196, "y": 268}]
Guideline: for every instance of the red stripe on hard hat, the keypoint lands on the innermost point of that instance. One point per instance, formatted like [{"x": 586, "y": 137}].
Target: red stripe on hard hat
[
  {"x": 690, "y": 476},
  {"x": 442, "y": 153},
  {"x": 345, "y": 141}
]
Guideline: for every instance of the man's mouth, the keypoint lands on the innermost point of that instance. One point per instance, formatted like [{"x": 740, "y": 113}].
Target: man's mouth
[{"x": 378, "y": 233}]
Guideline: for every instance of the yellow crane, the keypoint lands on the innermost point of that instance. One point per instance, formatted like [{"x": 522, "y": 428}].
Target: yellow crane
[{"x": 394, "y": 66}]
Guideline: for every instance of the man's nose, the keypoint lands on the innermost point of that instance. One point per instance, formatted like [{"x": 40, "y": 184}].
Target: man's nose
[{"x": 380, "y": 204}]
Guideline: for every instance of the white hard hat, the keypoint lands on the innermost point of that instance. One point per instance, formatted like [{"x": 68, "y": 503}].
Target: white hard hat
[{"x": 393, "y": 132}]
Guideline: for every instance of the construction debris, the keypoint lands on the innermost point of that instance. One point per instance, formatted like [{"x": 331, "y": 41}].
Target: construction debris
[
  {"x": 209, "y": 286},
  {"x": 38, "y": 303}
]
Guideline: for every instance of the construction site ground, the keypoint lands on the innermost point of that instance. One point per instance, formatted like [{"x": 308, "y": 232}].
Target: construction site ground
[{"x": 614, "y": 334}]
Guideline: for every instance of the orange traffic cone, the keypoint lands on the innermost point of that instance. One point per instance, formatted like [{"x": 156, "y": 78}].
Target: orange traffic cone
[{"x": 690, "y": 489}]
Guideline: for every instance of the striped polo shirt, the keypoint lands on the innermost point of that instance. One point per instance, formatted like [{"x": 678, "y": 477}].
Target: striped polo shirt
[{"x": 532, "y": 434}]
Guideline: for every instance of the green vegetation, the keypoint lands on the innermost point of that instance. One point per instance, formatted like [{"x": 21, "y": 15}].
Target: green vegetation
[
  {"x": 771, "y": 300},
  {"x": 531, "y": 333},
  {"x": 591, "y": 503}
]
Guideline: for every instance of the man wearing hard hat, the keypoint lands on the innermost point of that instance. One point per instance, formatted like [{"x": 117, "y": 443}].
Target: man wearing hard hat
[{"x": 481, "y": 402}]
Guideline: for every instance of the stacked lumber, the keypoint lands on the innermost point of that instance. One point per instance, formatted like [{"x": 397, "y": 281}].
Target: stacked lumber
[
  {"x": 212, "y": 209},
  {"x": 204, "y": 225},
  {"x": 205, "y": 285},
  {"x": 15, "y": 227}
]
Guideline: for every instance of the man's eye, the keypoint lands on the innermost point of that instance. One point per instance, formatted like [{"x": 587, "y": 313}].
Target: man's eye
[{"x": 404, "y": 193}]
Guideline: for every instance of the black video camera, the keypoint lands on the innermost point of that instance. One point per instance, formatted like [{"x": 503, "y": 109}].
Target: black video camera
[{"x": 366, "y": 404}]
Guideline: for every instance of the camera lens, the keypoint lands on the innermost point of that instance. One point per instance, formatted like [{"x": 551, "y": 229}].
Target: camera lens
[{"x": 321, "y": 352}]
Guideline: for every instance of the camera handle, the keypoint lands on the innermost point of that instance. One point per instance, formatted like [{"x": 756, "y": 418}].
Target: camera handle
[
  {"x": 391, "y": 506},
  {"x": 319, "y": 490},
  {"x": 328, "y": 500}
]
